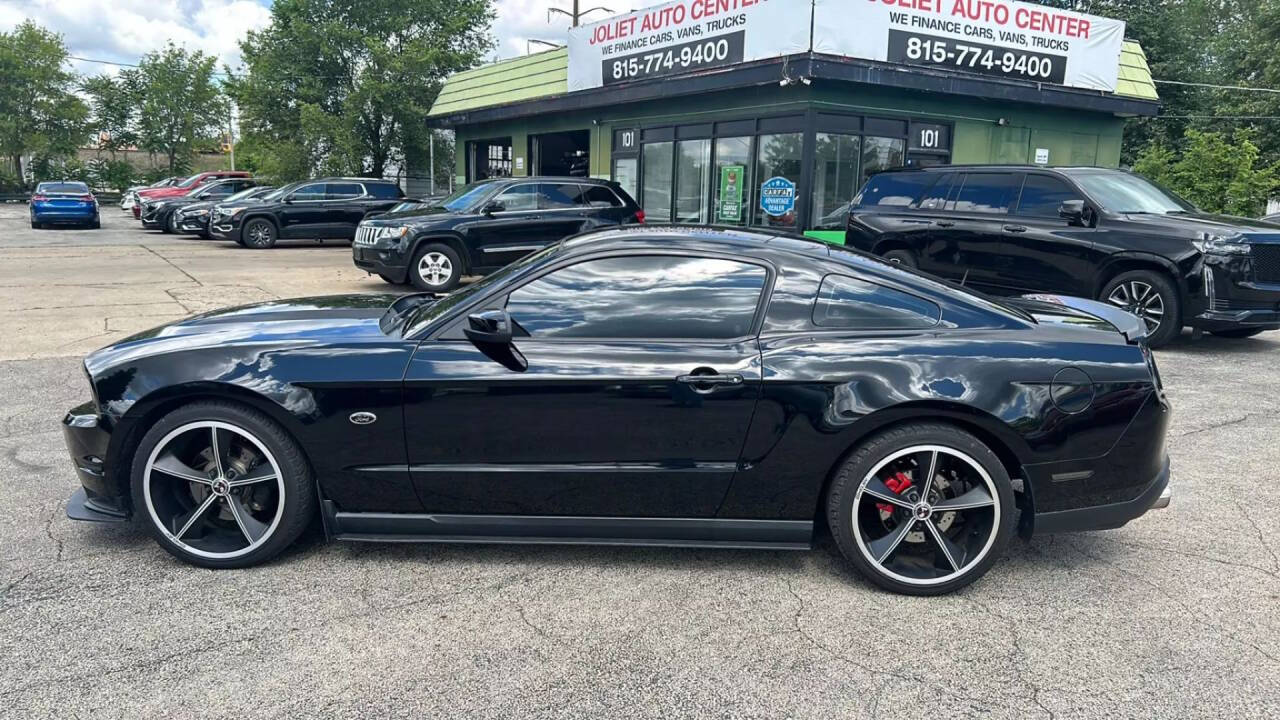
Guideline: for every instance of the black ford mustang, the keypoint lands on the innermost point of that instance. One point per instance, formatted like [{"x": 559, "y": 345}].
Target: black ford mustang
[{"x": 646, "y": 386}]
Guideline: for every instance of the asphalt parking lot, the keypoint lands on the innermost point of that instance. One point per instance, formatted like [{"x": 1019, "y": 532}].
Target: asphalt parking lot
[{"x": 1176, "y": 615}]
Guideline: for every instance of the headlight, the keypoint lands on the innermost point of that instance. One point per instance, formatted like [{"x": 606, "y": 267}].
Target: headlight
[
  {"x": 200, "y": 211},
  {"x": 231, "y": 211},
  {"x": 1222, "y": 245},
  {"x": 380, "y": 235}
]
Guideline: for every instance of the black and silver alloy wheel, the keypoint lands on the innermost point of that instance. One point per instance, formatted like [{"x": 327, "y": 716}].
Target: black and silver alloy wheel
[
  {"x": 435, "y": 268},
  {"x": 259, "y": 234},
  {"x": 940, "y": 521},
  {"x": 214, "y": 490},
  {"x": 922, "y": 508},
  {"x": 1140, "y": 299},
  {"x": 222, "y": 485}
]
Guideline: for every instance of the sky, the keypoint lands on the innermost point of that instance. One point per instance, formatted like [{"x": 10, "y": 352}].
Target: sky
[{"x": 123, "y": 30}]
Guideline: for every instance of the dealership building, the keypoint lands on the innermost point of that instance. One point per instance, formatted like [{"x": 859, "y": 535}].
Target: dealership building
[{"x": 771, "y": 113}]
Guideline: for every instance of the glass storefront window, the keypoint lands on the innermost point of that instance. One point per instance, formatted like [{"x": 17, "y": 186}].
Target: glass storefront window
[
  {"x": 732, "y": 180},
  {"x": 881, "y": 153},
  {"x": 835, "y": 178},
  {"x": 693, "y": 163},
  {"x": 777, "y": 181},
  {"x": 625, "y": 174},
  {"x": 656, "y": 198}
]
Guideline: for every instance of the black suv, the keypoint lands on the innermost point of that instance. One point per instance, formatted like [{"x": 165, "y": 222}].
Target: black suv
[
  {"x": 1090, "y": 232},
  {"x": 486, "y": 225},
  {"x": 327, "y": 208},
  {"x": 158, "y": 214}
]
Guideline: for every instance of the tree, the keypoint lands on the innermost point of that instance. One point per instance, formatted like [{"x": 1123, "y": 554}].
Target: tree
[
  {"x": 39, "y": 113},
  {"x": 113, "y": 102},
  {"x": 1216, "y": 172},
  {"x": 342, "y": 86},
  {"x": 181, "y": 104}
]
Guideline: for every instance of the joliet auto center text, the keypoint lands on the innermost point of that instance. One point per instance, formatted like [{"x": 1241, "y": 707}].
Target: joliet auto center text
[{"x": 771, "y": 113}]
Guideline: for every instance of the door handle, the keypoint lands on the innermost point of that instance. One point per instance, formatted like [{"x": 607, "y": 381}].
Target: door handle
[
  {"x": 1015, "y": 228},
  {"x": 945, "y": 224},
  {"x": 706, "y": 383}
]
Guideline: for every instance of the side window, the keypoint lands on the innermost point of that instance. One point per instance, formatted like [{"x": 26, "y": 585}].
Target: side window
[
  {"x": 384, "y": 191},
  {"x": 222, "y": 190},
  {"x": 894, "y": 189},
  {"x": 597, "y": 196},
  {"x": 936, "y": 197},
  {"x": 845, "y": 302},
  {"x": 986, "y": 193},
  {"x": 520, "y": 197},
  {"x": 559, "y": 196},
  {"x": 343, "y": 191},
  {"x": 642, "y": 297},
  {"x": 1042, "y": 195},
  {"x": 314, "y": 191}
]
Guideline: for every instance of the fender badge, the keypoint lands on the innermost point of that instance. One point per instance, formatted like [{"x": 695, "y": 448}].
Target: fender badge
[{"x": 363, "y": 418}]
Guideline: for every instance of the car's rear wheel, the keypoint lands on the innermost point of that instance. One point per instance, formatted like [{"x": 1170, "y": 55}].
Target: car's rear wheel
[
  {"x": 96, "y": 224},
  {"x": 220, "y": 485},
  {"x": 922, "y": 509},
  {"x": 435, "y": 268},
  {"x": 171, "y": 224},
  {"x": 35, "y": 225},
  {"x": 258, "y": 234},
  {"x": 1238, "y": 333},
  {"x": 1152, "y": 297},
  {"x": 902, "y": 257}
]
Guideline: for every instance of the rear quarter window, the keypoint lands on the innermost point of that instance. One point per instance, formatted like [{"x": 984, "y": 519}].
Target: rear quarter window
[
  {"x": 900, "y": 189},
  {"x": 384, "y": 191},
  {"x": 848, "y": 303}
]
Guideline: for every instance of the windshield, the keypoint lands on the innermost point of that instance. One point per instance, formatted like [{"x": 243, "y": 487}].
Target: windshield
[
  {"x": 77, "y": 188},
  {"x": 465, "y": 196},
  {"x": 1124, "y": 193},
  {"x": 190, "y": 181},
  {"x": 430, "y": 313},
  {"x": 244, "y": 194}
]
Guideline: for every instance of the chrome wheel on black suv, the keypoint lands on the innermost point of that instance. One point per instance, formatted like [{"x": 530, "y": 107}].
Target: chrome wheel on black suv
[
  {"x": 1151, "y": 297},
  {"x": 435, "y": 268}
]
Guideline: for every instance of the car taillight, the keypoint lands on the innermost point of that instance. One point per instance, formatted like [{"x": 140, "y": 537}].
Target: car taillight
[
  {"x": 87, "y": 198},
  {"x": 640, "y": 216},
  {"x": 38, "y": 198}
]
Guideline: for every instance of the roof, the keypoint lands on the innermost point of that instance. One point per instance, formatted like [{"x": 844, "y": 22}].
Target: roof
[{"x": 546, "y": 75}]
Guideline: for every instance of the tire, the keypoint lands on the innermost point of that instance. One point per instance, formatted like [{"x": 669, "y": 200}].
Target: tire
[
  {"x": 96, "y": 224},
  {"x": 171, "y": 224},
  {"x": 433, "y": 262},
  {"x": 258, "y": 234},
  {"x": 982, "y": 532},
  {"x": 36, "y": 226},
  {"x": 240, "y": 526},
  {"x": 1139, "y": 292},
  {"x": 903, "y": 257},
  {"x": 1237, "y": 333}
]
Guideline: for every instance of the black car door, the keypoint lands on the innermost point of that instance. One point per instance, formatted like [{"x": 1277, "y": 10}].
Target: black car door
[
  {"x": 642, "y": 375},
  {"x": 509, "y": 233},
  {"x": 563, "y": 208},
  {"x": 345, "y": 204},
  {"x": 1042, "y": 251},
  {"x": 303, "y": 213},
  {"x": 966, "y": 238}
]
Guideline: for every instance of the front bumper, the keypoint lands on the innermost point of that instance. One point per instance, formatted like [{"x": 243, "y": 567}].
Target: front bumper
[
  {"x": 1231, "y": 296},
  {"x": 224, "y": 228},
  {"x": 194, "y": 224},
  {"x": 87, "y": 444},
  {"x": 388, "y": 262}
]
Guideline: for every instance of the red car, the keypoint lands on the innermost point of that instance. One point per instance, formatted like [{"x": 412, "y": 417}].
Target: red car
[{"x": 184, "y": 187}]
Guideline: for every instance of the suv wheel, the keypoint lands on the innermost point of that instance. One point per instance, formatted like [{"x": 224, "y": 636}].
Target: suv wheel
[
  {"x": 435, "y": 268},
  {"x": 258, "y": 234},
  {"x": 906, "y": 258},
  {"x": 1151, "y": 296}
]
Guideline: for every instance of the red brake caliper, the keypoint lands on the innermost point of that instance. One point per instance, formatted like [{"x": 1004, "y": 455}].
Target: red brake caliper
[{"x": 898, "y": 483}]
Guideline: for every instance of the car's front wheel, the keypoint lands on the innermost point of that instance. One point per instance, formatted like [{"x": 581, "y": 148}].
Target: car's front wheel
[
  {"x": 1152, "y": 297},
  {"x": 171, "y": 224},
  {"x": 435, "y": 268},
  {"x": 221, "y": 485},
  {"x": 258, "y": 234},
  {"x": 921, "y": 509}
]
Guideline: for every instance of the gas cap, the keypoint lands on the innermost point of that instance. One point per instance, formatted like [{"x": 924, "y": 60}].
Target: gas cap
[{"x": 1072, "y": 390}]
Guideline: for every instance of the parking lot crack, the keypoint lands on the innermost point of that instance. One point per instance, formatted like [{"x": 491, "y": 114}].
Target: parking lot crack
[
  {"x": 48, "y": 531},
  {"x": 1262, "y": 539},
  {"x": 1219, "y": 425},
  {"x": 173, "y": 265},
  {"x": 1017, "y": 655}
]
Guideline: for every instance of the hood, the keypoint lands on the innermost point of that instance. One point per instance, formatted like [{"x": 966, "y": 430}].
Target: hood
[
  {"x": 315, "y": 321},
  {"x": 167, "y": 192},
  {"x": 197, "y": 205},
  {"x": 412, "y": 217},
  {"x": 1209, "y": 224}
]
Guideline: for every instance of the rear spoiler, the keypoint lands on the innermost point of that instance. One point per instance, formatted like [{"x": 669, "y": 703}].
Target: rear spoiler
[{"x": 1126, "y": 323}]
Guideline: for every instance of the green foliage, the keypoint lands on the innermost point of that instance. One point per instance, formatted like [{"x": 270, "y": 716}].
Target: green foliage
[
  {"x": 182, "y": 107},
  {"x": 39, "y": 112},
  {"x": 1216, "y": 172},
  {"x": 111, "y": 174},
  {"x": 343, "y": 86},
  {"x": 58, "y": 167},
  {"x": 114, "y": 103}
]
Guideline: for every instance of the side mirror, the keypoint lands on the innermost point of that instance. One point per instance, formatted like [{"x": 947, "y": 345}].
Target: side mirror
[
  {"x": 1072, "y": 211},
  {"x": 491, "y": 332},
  {"x": 493, "y": 207}
]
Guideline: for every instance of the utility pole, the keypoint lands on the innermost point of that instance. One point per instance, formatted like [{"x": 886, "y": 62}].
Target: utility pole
[{"x": 577, "y": 14}]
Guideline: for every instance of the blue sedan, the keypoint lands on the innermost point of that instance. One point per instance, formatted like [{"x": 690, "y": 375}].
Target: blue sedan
[{"x": 63, "y": 203}]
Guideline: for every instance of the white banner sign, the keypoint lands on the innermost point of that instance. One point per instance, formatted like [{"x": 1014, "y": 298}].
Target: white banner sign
[
  {"x": 999, "y": 38},
  {"x": 683, "y": 37}
]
